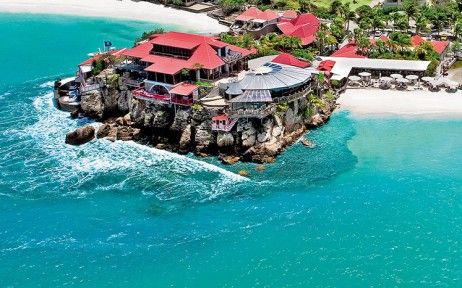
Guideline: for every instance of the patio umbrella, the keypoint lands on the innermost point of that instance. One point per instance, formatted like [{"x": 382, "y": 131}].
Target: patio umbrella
[
  {"x": 412, "y": 77},
  {"x": 396, "y": 76},
  {"x": 402, "y": 80},
  {"x": 386, "y": 79},
  {"x": 354, "y": 78},
  {"x": 364, "y": 74},
  {"x": 427, "y": 79}
]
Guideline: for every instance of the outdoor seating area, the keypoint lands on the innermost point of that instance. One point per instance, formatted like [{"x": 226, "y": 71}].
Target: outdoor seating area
[{"x": 399, "y": 82}]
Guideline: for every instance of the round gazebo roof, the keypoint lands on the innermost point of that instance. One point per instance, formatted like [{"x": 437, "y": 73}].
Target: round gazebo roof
[
  {"x": 234, "y": 89},
  {"x": 274, "y": 76}
]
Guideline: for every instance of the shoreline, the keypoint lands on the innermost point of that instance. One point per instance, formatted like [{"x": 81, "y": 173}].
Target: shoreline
[
  {"x": 118, "y": 9},
  {"x": 375, "y": 103}
]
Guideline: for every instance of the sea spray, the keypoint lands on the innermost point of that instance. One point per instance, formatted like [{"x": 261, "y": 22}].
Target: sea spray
[{"x": 81, "y": 165}]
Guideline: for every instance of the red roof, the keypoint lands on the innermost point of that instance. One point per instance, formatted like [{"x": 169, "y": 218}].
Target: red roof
[
  {"x": 348, "y": 51},
  {"x": 115, "y": 53},
  {"x": 326, "y": 65},
  {"x": 288, "y": 59},
  {"x": 289, "y": 14},
  {"x": 255, "y": 13},
  {"x": 303, "y": 26},
  {"x": 183, "y": 89},
  {"x": 202, "y": 47},
  {"x": 166, "y": 65},
  {"x": 439, "y": 46},
  {"x": 222, "y": 117}
]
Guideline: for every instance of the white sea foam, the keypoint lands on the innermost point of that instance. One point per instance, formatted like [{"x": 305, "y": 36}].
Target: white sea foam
[
  {"x": 100, "y": 156},
  {"x": 47, "y": 84}
]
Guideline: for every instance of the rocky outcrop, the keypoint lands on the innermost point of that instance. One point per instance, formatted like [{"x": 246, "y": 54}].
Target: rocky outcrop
[
  {"x": 204, "y": 137},
  {"x": 225, "y": 139},
  {"x": 92, "y": 104},
  {"x": 80, "y": 135},
  {"x": 184, "y": 130},
  {"x": 108, "y": 131},
  {"x": 185, "y": 140},
  {"x": 249, "y": 133}
]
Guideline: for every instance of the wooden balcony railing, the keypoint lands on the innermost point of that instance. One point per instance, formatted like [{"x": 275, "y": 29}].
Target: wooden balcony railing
[
  {"x": 253, "y": 113},
  {"x": 292, "y": 97},
  {"x": 224, "y": 127},
  {"x": 140, "y": 93}
]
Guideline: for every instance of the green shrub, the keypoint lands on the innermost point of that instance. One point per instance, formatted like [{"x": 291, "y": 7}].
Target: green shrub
[
  {"x": 282, "y": 107},
  {"x": 197, "y": 107}
]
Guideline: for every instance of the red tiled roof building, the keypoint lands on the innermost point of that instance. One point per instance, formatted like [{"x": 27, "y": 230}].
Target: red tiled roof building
[
  {"x": 166, "y": 57},
  {"x": 303, "y": 26}
]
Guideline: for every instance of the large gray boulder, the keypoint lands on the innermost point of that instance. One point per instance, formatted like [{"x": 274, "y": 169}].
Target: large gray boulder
[
  {"x": 92, "y": 104},
  {"x": 80, "y": 135}
]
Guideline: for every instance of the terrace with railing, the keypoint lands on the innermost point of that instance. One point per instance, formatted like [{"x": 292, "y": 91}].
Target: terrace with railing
[
  {"x": 231, "y": 57},
  {"x": 226, "y": 127},
  {"x": 253, "y": 113},
  {"x": 142, "y": 94},
  {"x": 181, "y": 101},
  {"x": 292, "y": 96}
]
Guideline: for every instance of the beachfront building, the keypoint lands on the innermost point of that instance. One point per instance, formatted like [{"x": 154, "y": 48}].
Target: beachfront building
[
  {"x": 289, "y": 23},
  {"x": 256, "y": 22},
  {"x": 304, "y": 26},
  {"x": 339, "y": 68},
  {"x": 166, "y": 60},
  {"x": 284, "y": 79}
]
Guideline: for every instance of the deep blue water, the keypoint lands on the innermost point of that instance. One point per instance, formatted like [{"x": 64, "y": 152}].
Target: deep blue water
[{"x": 377, "y": 203}]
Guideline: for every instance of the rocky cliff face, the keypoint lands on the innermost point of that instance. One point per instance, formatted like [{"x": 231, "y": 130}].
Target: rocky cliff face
[{"x": 189, "y": 129}]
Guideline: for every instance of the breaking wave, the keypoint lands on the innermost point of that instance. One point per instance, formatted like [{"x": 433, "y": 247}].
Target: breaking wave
[{"x": 101, "y": 165}]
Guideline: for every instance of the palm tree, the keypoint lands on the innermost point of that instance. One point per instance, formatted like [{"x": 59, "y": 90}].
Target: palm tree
[
  {"x": 421, "y": 23},
  {"x": 411, "y": 8},
  {"x": 378, "y": 22},
  {"x": 395, "y": 17},
  {"x": 458, "y": 28},
  {"x": 350, "y": 16}
]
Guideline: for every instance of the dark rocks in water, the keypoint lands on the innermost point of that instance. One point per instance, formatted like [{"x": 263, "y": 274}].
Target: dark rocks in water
[
  {"x": 127, "y": 133},
  {"x": 80, "y": 135},
  {"x": 108, "y": 131},
  {"x": 76, "y": 113},
  {"x": 307, "y": 143},
  {"x": 229, "y": 159}
]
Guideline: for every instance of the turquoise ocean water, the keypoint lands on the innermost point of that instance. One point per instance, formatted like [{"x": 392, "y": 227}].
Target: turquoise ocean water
[{"x": 377, "y": 203}]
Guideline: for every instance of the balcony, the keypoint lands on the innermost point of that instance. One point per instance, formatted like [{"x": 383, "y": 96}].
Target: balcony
[
  {"x": 231, "y": 57},
  {"x": 253, "y": 113},
  {"x": 142, "y": 94},
  {"x": 181, "y": 101},
  {"x": 293, "y": 96},
  {"x": 224, "y": 127}
]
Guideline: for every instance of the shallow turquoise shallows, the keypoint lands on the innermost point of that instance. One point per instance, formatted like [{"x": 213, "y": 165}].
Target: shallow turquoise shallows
[{"x": 377, "y": 202}]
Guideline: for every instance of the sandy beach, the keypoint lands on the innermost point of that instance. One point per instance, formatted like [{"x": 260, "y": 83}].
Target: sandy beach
[
  {"x": 420, "y": 104},
  {"x": 120, "y": 9}
]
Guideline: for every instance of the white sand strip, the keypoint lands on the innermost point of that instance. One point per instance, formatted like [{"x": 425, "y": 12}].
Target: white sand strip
[
  {"x": 121, "y": 9},
  {"x": 419, "y": 104}
]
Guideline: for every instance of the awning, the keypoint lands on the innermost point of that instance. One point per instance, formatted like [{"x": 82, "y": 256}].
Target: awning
[
  {"x": 253, "y": 96},
  {"x": 183, "y": 89},
  {"x": 85, "y": 68}
]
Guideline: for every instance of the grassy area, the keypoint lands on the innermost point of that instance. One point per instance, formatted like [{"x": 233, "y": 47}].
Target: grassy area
[
  {"x": 457, "y": 64},
  {"x": 327, "y": 3}
]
